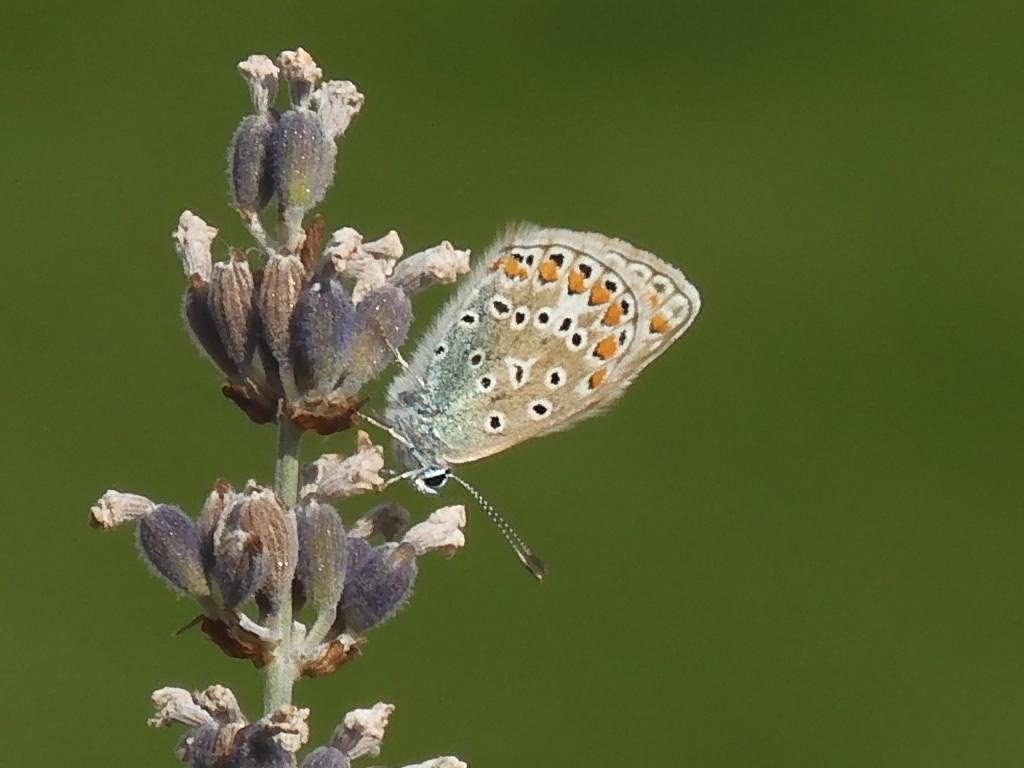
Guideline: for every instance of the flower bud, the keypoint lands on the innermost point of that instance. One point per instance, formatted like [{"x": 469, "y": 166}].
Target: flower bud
[
  {"x": 326, "y": 757},
  {"x": 383, "y": 319},
  {"x": 320, "y": 570},
  {"x": 220, "y": 500},
  {"x": 441, "y": 264},
  {"x": 378, "y": 583},
  {"x": 272, "y": 741},
  {"x": 323, "y": 324},
  {"x": 248, "y": 158},
  {"x": 231, "y": 303},
  {"x": 202, "y": 327},
  {"x": 335, "y": 476},
  {"x": 169, "y": 542},
  {"x": 283, "y": 279},
  {"x": 301, "y": 162}
]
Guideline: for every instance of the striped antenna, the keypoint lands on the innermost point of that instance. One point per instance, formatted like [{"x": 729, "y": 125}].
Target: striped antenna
[{"x": 526, "y": 556}]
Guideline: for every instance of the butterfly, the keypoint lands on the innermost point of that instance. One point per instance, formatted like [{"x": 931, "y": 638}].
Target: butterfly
[{"x": 548, "y": 329}]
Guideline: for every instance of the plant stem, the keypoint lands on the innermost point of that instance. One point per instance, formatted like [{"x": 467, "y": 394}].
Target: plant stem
[{"x": 281, "y": 671}]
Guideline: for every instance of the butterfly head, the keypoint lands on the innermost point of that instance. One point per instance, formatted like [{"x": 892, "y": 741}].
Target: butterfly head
[{"x": 430, "y": 480}]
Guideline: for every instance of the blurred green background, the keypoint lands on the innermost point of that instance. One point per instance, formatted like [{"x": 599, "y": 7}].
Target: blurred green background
[{"x": 797, "y": 541}]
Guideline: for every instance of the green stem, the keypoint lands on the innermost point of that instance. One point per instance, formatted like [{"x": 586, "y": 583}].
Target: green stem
[{"x": 282, "y": 670}]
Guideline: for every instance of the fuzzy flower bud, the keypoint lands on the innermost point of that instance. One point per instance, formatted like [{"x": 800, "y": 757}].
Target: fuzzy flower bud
[
  {"x": 383, "y": 318},
  {"x": 323, "y": 324},
  {"x": 202, "y": 326},
  {"x": 322, "y": 553},
  {"x": 335, "y": 476},
  {"x": 378, "y": 583},
  {"x": 362, "y": 731},
  {"x": 114, "y": 508},
  {"x": 193, "y": 239},
  {"x": 248, "y": 157},
  {"x": 337, "y": 103},
  {"x": 326, "y": 757},
  {"x": 231, "y": 303},
  {"x": 302, "y": 167},
  {"x": 283, "y": 280},
  {"x": 169, "y": 542}
]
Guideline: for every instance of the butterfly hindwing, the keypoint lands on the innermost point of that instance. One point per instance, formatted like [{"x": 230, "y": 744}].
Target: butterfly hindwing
[{"x": 551, "y": 325}]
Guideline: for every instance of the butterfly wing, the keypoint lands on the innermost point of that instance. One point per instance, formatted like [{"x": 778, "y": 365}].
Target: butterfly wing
[{"x": 550, "y": 326}]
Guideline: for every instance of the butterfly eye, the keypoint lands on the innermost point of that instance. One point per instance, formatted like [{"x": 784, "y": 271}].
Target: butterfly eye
[{"x": 435, "y": 480}]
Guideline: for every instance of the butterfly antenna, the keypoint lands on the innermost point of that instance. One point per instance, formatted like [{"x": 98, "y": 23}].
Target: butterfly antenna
[{"x": 526, "y": 556}]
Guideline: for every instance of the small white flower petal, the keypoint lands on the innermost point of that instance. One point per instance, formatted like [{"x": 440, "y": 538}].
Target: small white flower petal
[
  {"x": 193, "y": 239},
  {"x": 114, "y": 508},
  {"x": 362, "y": 731},
  {"x": 176, "y": 705},
  {"x": 442, "y": 530}
]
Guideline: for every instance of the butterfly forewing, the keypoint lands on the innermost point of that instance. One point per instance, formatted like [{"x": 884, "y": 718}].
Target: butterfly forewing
[{"x": 549, "y": 327}]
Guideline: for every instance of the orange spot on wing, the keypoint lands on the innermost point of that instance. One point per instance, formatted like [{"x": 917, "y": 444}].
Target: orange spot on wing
[
  {"x": 549, "y": 271},
  {"x": 607, "y": 347},
  {"x": 599, "y": 294},
  {"x": 614, "y": 315},
  {"x": 597, "y": 378},
  {"x": 577, "y": 283},
  {"x": 514, "y": 268},
  {"x": 660, "y": 323},
  {"x": 497, "y": 264},
  {"x": 653, "y": 299}
]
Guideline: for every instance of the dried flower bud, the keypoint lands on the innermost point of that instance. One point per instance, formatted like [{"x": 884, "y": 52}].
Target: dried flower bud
[
  {"x": 441, "y": 264},
  {"x": 322, "y": 553},
  {"x": 193, "y": 239},
  {"x": 377, "y": 586},
  {"x": 323, "y": 325},
  {"x": 283, "y": 280},
  {"x": 231, "y": 302},
  {"x": 302, "y": 74},
  {"x": 383, "y": 319},
  {"x": 220, "y": 702},
  {"x": 334, "y": 476},
  {"x": 220, "y": 500},
  {"x": 337, "y": 103},
  {"x": 441, "y": 531},
  {"x": 362, "y": 731},
  {"x": 114, "y": 508},
  {"x": 176, "y": 705},
  {"x": 169, "y": 542},
  {"x": 389, "y": 521},
  {"x": 326, "y": 757}
]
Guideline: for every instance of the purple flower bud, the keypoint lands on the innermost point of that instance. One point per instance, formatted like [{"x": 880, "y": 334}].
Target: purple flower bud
[
  {"x": 283, "y": 280},
  {"x": 378, "y": 583},
  {"x": 169, "y": 542},
  {"x": 203, "y": 328},
  {"x": 383, "y": 318},
  {"x": 231, "y": 303},
  {"x": 252, "y": 183},
  {"x": 326, "y": 757},
  {"x": 220, "y": 500},
  {"x": 323, "y": 325},
  {"x": 301, "y": 160},
  {"x": 320, "y": 571}
]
